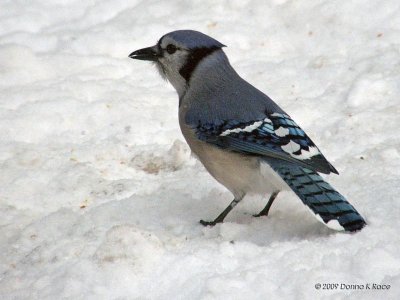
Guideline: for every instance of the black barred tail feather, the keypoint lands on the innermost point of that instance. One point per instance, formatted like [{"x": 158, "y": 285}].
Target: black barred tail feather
[{"x": 326, "y": 203}]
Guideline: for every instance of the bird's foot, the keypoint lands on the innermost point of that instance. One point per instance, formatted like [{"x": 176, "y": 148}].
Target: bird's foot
[
  {"x": 260, "y": 215},
  {"x": 208, "y": 223},
  {"x": 266, "y": 209}
]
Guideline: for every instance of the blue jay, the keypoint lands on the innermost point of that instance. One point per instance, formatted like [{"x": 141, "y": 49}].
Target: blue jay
[{"x": 242, "y": 137}]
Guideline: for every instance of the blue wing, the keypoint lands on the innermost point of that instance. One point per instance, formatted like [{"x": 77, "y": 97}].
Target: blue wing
[{"x": 276, "y": 135}]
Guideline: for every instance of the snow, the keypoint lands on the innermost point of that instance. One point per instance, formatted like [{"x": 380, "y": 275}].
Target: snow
[{"x": 100, "y": 198}]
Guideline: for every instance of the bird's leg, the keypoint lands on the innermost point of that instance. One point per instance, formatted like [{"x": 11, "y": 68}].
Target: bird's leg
[
  {"x": 265, "y": 210},
  {"x": 222, "y": 215}
]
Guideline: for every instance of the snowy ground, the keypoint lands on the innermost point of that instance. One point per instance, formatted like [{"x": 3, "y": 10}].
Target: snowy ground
[{"x": 100, "y": 198}]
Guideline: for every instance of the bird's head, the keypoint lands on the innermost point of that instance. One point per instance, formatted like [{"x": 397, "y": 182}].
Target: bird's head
[{"x": 177, "y": 55}]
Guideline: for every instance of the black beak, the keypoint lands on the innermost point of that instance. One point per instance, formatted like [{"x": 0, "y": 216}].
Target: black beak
[{"x": 150, "y": 53}]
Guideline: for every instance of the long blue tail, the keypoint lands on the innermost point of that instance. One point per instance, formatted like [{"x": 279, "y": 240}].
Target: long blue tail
[{"x": 326, "y": 203}]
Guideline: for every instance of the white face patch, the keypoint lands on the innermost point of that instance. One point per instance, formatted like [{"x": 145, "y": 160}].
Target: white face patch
[
  {"x": 248, "y": 128},
  {"x": 281, "y": 131}
]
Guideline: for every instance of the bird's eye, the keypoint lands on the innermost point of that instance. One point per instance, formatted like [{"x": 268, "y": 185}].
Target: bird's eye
[{"x": 171, "y": 49}]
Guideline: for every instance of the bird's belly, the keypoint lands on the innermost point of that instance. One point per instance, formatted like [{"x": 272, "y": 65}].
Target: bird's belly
[{"x": 239, "y": 173}]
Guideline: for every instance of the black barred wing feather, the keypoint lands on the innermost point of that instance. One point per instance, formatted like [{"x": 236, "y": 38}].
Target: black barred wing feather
[{"x": 277, "y": 136}]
